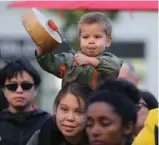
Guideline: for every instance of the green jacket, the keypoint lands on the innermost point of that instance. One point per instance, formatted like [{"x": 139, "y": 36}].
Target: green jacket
[{"x": 61, "y": 65}]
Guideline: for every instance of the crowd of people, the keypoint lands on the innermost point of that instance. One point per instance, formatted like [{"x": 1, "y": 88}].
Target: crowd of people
[{"x": 99, "y": 102}]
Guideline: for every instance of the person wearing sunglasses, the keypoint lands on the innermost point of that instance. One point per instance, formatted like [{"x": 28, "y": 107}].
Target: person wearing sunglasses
[
  {"x": 20, "y": 81},
  {"x": 147, "y": 102}
]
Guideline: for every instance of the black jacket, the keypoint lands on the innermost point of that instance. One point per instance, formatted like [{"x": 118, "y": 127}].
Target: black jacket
[{"x": 17, "y": 128}]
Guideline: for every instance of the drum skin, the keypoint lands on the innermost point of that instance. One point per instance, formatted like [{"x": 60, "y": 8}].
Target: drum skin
[{"x": 39, "y": 34}]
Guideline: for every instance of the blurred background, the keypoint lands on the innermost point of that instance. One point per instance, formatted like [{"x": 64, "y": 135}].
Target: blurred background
[{"x": 135, "y": 40}]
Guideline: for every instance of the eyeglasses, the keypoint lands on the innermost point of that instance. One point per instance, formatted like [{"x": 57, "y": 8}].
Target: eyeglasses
[
  {"x": 140, "y": 105},
  {"x": 25, "y": 86}
]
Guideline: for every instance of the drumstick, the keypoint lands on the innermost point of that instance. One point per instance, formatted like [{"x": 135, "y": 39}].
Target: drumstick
[{"x": 54, "y": 27}]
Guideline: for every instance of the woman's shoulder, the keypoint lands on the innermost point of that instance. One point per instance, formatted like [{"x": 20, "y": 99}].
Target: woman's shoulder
[
  {"x": 49, "y": 133},
  {"x": 34, "y": 139}
]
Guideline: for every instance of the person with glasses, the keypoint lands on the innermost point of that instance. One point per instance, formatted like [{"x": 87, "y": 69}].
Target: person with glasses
[
  {"x": 147, "y": 102},
  {"x": 149, "y": 134},
  {"x": 20, "y": 81}
]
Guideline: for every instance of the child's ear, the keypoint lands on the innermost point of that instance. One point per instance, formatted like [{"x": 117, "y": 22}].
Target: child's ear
[{"x": 108, "y": 41}]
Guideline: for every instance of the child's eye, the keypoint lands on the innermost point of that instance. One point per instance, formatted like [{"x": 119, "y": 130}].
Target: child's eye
[
  {"x": 85, "y": 37},
  {"x": 98, "y": 36}
]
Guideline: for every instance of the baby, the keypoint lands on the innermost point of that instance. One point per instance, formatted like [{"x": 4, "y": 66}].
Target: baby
[{"x": 93, "y": 63}]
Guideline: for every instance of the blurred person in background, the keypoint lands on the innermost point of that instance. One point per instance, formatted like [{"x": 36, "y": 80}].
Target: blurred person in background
[
  {"x": 20, "y": 82},
  {"x": 67, "y": 126},
  {"x": 128, "y": 73},
  {"x": 147, "y": 102},
  {"x": 149, "y": 134}
]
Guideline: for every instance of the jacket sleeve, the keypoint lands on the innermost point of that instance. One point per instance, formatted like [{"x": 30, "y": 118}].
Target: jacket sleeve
[
  {"x": 55, "y": 64},
  {"x": 109, "y": 64},
  {"x": 34, "y": 139}
]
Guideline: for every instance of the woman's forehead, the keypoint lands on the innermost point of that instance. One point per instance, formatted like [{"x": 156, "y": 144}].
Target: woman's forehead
[
  {"x": 100, "y": 108},
  {"x": 71, "y": 100}
]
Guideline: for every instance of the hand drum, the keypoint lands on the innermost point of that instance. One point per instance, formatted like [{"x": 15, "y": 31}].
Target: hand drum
[{"x": 37, "y": 27}]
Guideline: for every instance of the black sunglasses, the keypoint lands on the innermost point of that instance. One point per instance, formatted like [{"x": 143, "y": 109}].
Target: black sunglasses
[
  {"x": 140, "y": 105},
  {"x": 13, "y": 87}
]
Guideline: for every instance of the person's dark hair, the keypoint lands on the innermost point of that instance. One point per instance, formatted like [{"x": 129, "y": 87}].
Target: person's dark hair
[
  {"x": 122, "y": 86},
  {"x": 17, "y": 66},
  {"x": 96, "y": 17},
  {"x": 121, "y": 103},
  {"x": 3, "y": 101},
  {"x": 78, "y": 90},
  {"x": 149, "y": 98}
]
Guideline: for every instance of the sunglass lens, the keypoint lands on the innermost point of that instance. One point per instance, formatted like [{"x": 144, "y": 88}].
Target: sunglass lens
[
  {"x": 138, "y": 107},
  {"x": 26, "y": 86},
  {"x": 12, "y": 87}
]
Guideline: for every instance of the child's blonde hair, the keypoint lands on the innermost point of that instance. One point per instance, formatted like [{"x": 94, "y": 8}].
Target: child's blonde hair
[{"x": 96, "y": 17}]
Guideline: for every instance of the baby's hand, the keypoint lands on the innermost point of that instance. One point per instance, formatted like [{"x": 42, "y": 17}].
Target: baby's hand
[{"x": 81, "y": 59}]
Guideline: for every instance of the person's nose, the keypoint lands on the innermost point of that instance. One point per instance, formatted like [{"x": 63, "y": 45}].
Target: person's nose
[
  {"x": 95, "y": 131},
  {"x": 19, "y": 89},
  {"x": 91, "y": 40},
  {"x": 70, "y": 116}
]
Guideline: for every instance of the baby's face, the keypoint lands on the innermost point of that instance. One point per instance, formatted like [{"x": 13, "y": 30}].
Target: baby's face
[{"x": 93, "y": 39}]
